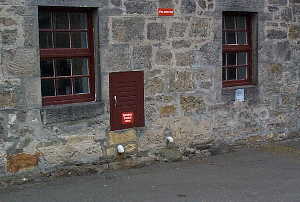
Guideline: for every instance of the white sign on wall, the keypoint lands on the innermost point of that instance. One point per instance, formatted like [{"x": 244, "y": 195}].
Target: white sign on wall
[{"x": 240, "y": 95}]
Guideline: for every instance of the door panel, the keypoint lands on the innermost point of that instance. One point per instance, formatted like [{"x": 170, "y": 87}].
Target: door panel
[{"x": 126, "y": 93}]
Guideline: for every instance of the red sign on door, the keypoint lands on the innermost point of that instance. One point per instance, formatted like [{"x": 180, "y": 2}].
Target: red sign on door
[
  {"x": 127, "y": 117},
  {"x": 166, "y": 12}
]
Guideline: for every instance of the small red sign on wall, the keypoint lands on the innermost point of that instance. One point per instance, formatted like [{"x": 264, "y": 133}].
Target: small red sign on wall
[
  {"x": 127, "y": 117},
  {"x": 166, "y": 12}
]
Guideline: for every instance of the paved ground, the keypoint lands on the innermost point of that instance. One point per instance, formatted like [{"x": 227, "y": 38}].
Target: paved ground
[{"x": 272, "y": 174}]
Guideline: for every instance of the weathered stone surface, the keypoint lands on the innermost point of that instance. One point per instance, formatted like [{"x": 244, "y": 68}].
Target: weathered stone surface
[
  {"x": 169, "y": 155},
  {"x": 167, "y": 110},
  {"x": 276, "y": 34},
  {"x": 192, "y": 103},
  {"x": 117, "y": 57},
  {"x": 131, "y": 148},
  {"x": 201, "y": 28},
  {"x": 141, "y": 57},
  {"x": 115, "y": 138},
  {"x": 9, "y": 37},
  {"x": 163, "y": 57},
  {"x": 188, "y": 7},
  {"x": 184, "y": 59},
  {"x": 181, "y": 44},
  {"x": 294, "y": 32},
  {"x": 156, "y": 31},
  {"x": 128, "y": 29},
  {"x": 153, "y": 86},
  {"x": 116, "y": 2},
  {"x": 8, "y": 99},
  {"x": 166, "y": 4},
  {"x": 278, "y": 2},
  {"x": 181, "y": 81},
  {"x": 20, "y": 162},
  {"x": 4, "y": 21},
  {"x": 140, "y": 7},
  {"x": 178, "y": 29},
  {"x": 202, "y": 4}
]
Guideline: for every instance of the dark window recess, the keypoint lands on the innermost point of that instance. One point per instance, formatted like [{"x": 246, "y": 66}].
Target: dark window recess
[
  {"x": 237, "y": 49},
  {"x": 67, "y": 55}
]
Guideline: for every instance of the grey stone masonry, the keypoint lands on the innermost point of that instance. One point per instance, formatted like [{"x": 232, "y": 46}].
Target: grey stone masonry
[{"x": 181, "y": 57}]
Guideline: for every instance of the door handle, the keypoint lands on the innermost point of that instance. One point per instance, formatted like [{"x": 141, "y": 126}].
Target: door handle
[{"x": 116, "y": 102}]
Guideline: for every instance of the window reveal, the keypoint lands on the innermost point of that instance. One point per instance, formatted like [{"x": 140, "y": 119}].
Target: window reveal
[
  {"x": 237, "y": 49},
  {"x": 66, "y": 52}
]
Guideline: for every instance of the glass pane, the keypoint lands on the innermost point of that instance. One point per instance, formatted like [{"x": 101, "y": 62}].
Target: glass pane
[
  {"x": 62, "y": 39},
  {"x": 230, "y": 38},
  {"x": 224, "y": 59},
  {"x": 242, "y": 37},
  {"x": 78, "y": 20},
  {"x": 46, "y": 68},
  {"x": 46, "y": 40},
  {"x": 63, "y": 67},
  {"x": 45, "y": 20},
  {"x": 48, "y": 88},
  {"x": 229, "y": 22},
  {"x": 63, "y": 87},
  {"x": 80, "y": 66},
  {"x": 242, "y": 73},
  {"x": 240, "y": 22},
  {"x": 223, "y": 38},
  {"x": 79, "y": 40},
  {"x": 81, "y": 85},
  {"x": 242, "y": 58},
  {"x": 61, "y": 20},
  {"x": 231, "y": 59},
  {"x": 231, "y": 74},
  {"x": 223, "y": 74}
]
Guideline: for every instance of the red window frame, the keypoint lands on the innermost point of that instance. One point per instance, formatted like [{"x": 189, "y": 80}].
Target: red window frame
[
  {"x": 227, "y": 48},
  {"x": 69, "y": 53}
]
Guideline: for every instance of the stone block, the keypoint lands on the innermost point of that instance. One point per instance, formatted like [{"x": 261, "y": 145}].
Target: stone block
[
  {"x": 202, "y": 4},
  {"x": 192, "y": 103},
  {"x": 131, "y": 148},
  {"x": 184, "y": 59},
  {"x": 278, "y": 2},
  {"x": 276, "y": 34},
  {"x": 163, "y": 57},
  {"x": 7, "y": 21},
  {"x": 141, "y": 57},
  {"x": 123, "y": 137},
  {"x": 128, "y": 29},
  {"x": 116, "y": 2},
  {"x": 201, "y": 28},
  {"x": 177, "y": 29},
  {"x": 181, "y": 44},
  {"x": 181, "y": 81},
  {"x": 21, "y": 162},
  {"x": 167, "y": 110},
  {"x": 188, "y": 7},
  {"x": 117, "y": 57},
  {"x": 166, "y": 4},
  {"x": 8, "y": 99},
  {"x": 153, "y": 86},
  {"x": 294, "y": 32},
  {"x": 140, "y": 7},
  {"x": 9, "y": 37},
  {"x": 156, "y": 31}
]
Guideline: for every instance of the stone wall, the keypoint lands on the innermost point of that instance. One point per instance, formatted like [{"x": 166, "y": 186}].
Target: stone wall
[{"x": 181, "y": 57}]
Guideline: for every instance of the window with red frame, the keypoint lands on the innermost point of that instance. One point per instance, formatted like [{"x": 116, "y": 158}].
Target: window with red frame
[
  {"x": 237, "y": 49},
  {"x": 66, "y": 55}
]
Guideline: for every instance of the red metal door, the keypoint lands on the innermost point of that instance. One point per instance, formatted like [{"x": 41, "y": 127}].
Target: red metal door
[{"x": 126, "y": 94}]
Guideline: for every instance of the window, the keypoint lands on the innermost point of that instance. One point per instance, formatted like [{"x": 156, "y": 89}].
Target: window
[
  {"x": 237, "y": 49},
  {"x": 66, "y": 55}
]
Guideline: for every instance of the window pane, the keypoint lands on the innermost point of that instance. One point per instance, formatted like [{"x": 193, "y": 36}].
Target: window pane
[
  {"x": 79, "y": 40},
  {"x": 46, "y": 68},
  {"x": 48, "y": 88},
  {"x": 46, "y": 40},
  {"x": 224, "y": 59},
  {"x": 240, "y": 22},
  {"x": 45, "y": 20},
  {"x": 230, "y": 38},
  {"x": 61, "y": 20},
  {"x": 223, "y": 74},
  {"x": 242, "y": 37},
  {"x": 63, "y": 87},
  {"x": 242, "y": 58},
  {"x": 78, "y": 20},
  {"x": 80, "y": 66},
  {"x": 231, "y": 58},
  {"x": 62, "y": 39},
  {"x": 242, "y": 73},
  {"x": 63, "y": 67},
  {"x": 231, "y": 74},
  {"x": 81, "y": 85},
  {"x": 223, "y": 38},
  {"x": 229, "y": 22}
]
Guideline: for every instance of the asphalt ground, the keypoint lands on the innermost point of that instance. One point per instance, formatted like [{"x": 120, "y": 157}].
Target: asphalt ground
[{"x": 271, "y": 173}]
